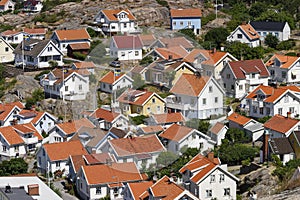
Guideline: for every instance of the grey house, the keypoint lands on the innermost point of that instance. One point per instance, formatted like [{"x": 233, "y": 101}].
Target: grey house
[{"x": 281, "y": 30}]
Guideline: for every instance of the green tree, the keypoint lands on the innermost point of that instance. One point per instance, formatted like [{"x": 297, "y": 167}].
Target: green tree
[
  {"x": 217, "y": 36},
  {"x": 273, "y": 15},
  {"x": 286, "y": 45},
  {"x": 166, "y": 158},
  {"x": 235, "y": 135},
  {"x": 271, "y": 40},
  {"x": 257, "y": 9},
  {"x": 188, "y": 32},
  {"x": 146, "y": 60},
  {"x": 13, "y": 167},
  {"x": 199, "y": 124},
  {"x": 138, "y": 82},
  {"x": 91, "y": 32}
]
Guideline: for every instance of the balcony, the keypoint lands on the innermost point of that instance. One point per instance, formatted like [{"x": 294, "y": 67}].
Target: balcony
[
  {"x": 259, "y": 104},
  {"x": 31, "y": 140},
  {"x": 178, "y": 105}
]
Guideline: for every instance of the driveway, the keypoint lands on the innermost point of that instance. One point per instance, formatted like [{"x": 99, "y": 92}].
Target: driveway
[{"x": 64, "y": 195}]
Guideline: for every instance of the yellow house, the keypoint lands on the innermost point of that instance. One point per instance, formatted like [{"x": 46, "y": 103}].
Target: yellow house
[
  {"x": 6, "y": 51},
  {"x": 141, "y": 103}
]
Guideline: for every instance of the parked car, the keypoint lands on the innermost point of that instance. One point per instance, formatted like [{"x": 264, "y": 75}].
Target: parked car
[{"x": 115, "y": 63}]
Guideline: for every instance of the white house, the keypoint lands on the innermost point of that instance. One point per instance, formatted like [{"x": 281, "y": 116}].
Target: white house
[
  {"x": 63, "y": 38},
  {"x": 141, "y": 150},
  {"x": 113, "y": 81},
  {"x": 90, "y": 66},
  {"x": 116, "y": 21},
  {"x": 284, "y": 69},
  {"x": 8, "y": 112},
  {"x": 207, "y": 178},
  {"x": 91, "y": 184},
  {"x": 281, "y": 30},
  {"x": 196, "y": 97},
  {"x": 65, "y": 131},
  {"x": 245, "y": 33},
  {"x": 177, "y": 137},
  {"x": 107, "y": 119},
  {"x": 35, "y": 33},
  {"x": 126, "y": 47},
  {"x": 12, "y": 36},
  {"x": 37, "y": 54},
  {"x": 282, "y": 148},
  {"x": 210, "y": 62},
  {"x": 6, "y": 51},
  {"x": 6, "y": 5},
  {"x": 217, "y": 132},
  {"x": 166, "y": 119},
  {"x": 269, "y": 101},
  {"x": 241, "y": 77},
  {"x": 66, "y": 84},
  {"x": 53, "y": 157},
  {"x": 33, "y": 5}
]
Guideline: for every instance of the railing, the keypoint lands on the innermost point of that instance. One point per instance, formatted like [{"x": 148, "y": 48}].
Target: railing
[{"x": 31, "y": 140}]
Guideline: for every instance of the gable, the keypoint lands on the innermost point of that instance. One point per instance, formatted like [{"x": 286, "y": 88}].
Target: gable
[{"x": 54, "y": 50}]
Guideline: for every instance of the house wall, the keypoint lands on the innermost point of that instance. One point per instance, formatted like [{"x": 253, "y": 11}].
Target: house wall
[
  {"x": 286, "y": 33},
  {"x": 157, "y": 107},
  {"x": 186, "y": 22},
  {"x": 219, "y": 67},
  {"x": 281, "y": 35},
  {"x": 6, "y": 52},
  {"x": 46, "y": 123},
  {"x": 104, "y": 191},
  {"x": 56, "y": 133},
  {"x": 121, "y": 123},
  {"x": 10, "y": 149},
  {"x": 77, "y": 89},
  {"x": 14, "y": 39},
  {"x": 125, "y": 54},
  {"x": 11, "y": 117},
  {"x": 234, "y": 37},
  {"x": 82, "y": 186}
]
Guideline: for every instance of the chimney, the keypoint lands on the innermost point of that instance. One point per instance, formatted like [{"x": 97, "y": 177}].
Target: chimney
[
  {"x": 214, "y": 50},
  {"x": 170, "y": 57},
  {"x": 33, "y": 189},
  {"x": 288, "y": 114},
  {"x": 211, "y": 156},
  {"x": 266, "y": 146},
  {"x": 244, "y": 23}
]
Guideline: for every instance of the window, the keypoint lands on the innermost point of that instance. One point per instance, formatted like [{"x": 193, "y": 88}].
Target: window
[
  {"x": 66, "y": 88},
  {"x": 208, "y": 193},
  {"x": 44, "y": 152},
  {"x": 222, "y": 177},
  {"x": 176, "y": 147},
  {"x": 216, "y": 99},
  {"x": 280, "y": 111},
  {"x": 16, "y": 148},
  {"x": 201, "y": 145},
  {"x": 158, "y": 108},
  {"x": 210, "y": 89},
  {"x": 6, "y": 49},
  {"x": 268, "y": 111},
  {"x": 136, "y": 53},
  {"x": 57, "y": 163},
  {"x": 212, "y": 178},
  {"x": 138, "y": 110},
  {"x": 49, "y": 48},
  {"x": 254, "y": 109},
  {"x": 272, "y": 72},
  {"x": 181, "y": 23},
  {"x": 153, "y": 100},
  {"x": 204, "y": 101},
  {"x": 291, "y": 109},
  {"x": 232, "y": 87},
  {"x": 98, "y": 190},
  {"x": 226, "y": 191},
  {"x": 73, "y": 78},
  {"x": 125, "y": 25},
  {"x": 224, "y": 85},
  {"x": 40, "y": 160},
  {"x": 286, "y": 99},
  {"x": 148, "y": 109},
  {"x": 240, "y": 87},
  {"x": 124, "y": 160},
  {"x": 240, "y": 36},
  {"x": 283, "y": 74},
  {"x": 228, "y": 76},
  {"x": 261, "y": 111},
  {"x": 252, "y": 75},
  {"x": 80, "y": 87},
  {"x": 4, "y": 148},
  {"x": 174, "y": 23},
  {"x": 57, "y": 139},
  {"x": 122, "y": 53}
]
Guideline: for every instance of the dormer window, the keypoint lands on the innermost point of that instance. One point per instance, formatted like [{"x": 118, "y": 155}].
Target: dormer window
[{"x": 253, "y": 75}]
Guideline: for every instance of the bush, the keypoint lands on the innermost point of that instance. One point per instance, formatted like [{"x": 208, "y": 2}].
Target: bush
[
  {"x": 13, "y": 167},
  {"x": 79, "y": 56},
  {"x": 37, "y": 77},
  {"x": 146, "y": 60},
  {"x": 208, "y": 18},
  {"x": 138, "y": 119},
  {"x": 286, "y": 45},
  {"x": 163, "y": 3},
  {"x": 91, "y": 32}
]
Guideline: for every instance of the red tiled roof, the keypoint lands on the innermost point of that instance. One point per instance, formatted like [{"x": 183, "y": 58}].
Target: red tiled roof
[
  {"x": 250, "y": 31},
  {"x": 152, "y": 129},
  {"x": 10, "y": 135},
  {"x": 35, "y": 30},
  {"x": 75, "y": 34},
  {"x": 110, "y": 78},
  {"x": 175, "y": 52},
  {"x": 177, "y": 41},
  {"x": 6, "y": 109},
  {"x": 61, "y": 74},
  {"x": 3, "y": 2},
  {"x": 147, "y": 39},
  {"x": 192, "y": 12},
  {"x": 112, "y": 14},
  {"x": 28, "y": 113},
  {"x": 215, "y": 129},
  {"x": 136, "y": 145},
  {"x": 243, "y": 67},
  {"x": 140, "y": 99},
  {"x": 285, "y": 61},
  {"x": 212, "y": 57},
  {"x": 168, "y": 118},
  {"x": 10, "y": 32},
  {"x": 28, "y": 128},
  {"x": 139, "y": 188},
  {"x": 107, "y": 115},
  {"x": 281, "y": 124},
  {"x": 127, "y": 42},
  {"x": 79, "y": 46},
  {"x": 116, "y": 173},
  {"x": 239, "y": 119},
  {"x": 84, "y": 65},
  {"x": 176, "y": 132},
  {"x": 74, "y": 126},
  {"x": 97, "y": 158},
  {"x": 189, "y": 84},
  {"x": 62, "y": 150}
]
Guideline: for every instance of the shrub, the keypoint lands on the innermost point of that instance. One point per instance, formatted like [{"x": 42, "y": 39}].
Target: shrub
[
  {"x": 79, "y": 56},
  {"x": 286, "y": 45},
  {"x": 37, "y": 77},
  {"x": 138, "y": 119},
  {"x": 163, "y": 3}
]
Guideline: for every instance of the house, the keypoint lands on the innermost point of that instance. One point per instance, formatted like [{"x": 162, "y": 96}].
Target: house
[
  {"x": 147, "y": 40},
  {"x": 166, "y": 119},
  {"x": 54, "y": 157},
  {"x": 35, "y": 33},
  {"x": 12, "y": 36},
  {"x": 284, "y": 69},
  {"x": 38, "y": 54},
  {"x": 76, "y": 161},
  {"x": 177, "y": 138},
  {"x": 282, "y": 148},
  {"x": 116, "y": 21},
  {"x": 126, "y": 47},
  {"x": 196, "y": 97},
  {"x": 186, "y": 19},
  {"x": 6, "y": 5},
  {"x": 147, "y": 130},
  {"x": 269, "y": 101},
  {"x": 167, "y": 42},
  {"x": 66, "y": 84},
  {"x": 167, "y": 72},
  {"x": 251, "y": 127},
  {"x": 141, "y": 150},
  {"x": 140, "y": 102},
  {"x": 90, "y": 66},
  {"x": 207, "y": 178},
  {"x": 281, "y": 30},
  {"x": 245, "y": 33},
  {"x": 167, "y": 53},
  {"x": 63, "y": 132},
  {"x": 166, "y": 188},
  {"x": 107, "y": 119},
  {"x": 33, "y": 6},
  {"x": 78, "y": 48},
  {"x": 26, "y": 187},
  {"x": 280, "y": 126},
  {"x": 91, "y": 184},
  {"x": 8, "y": 112},
  {"x": 113, "y": 81},
  {"x": 63, "y": 38},
  {"x": 217, "y": 132},
  {"x": 241, "y": 77},
  {"x": 6, "y": 51},
  {"x": 138, "y": 71},
  {"x": 133, "y": 191},
  {"x": 209, "y": 62}
]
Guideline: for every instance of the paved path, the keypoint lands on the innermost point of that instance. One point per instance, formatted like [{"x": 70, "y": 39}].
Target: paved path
[{"x": 64, "y": 195}]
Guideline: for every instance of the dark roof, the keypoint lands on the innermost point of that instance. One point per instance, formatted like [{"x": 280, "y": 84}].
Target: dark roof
[
  {"x": 268, "y": 26},
  {"x": 37, "y": 47},
  {"x": 16, "y": 194},
  {"x": 118, "y": 132},
  {"x": 281, "y": 146}
]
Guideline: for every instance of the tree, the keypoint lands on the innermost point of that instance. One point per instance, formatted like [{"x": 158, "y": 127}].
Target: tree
[
  {"x": 235, "y": 135},
  {"x": 257, "y": 9},
  {"x": 166, "y": 158},
  {"x": 2, "y": 70},
  {"x": 217, "y": 36},
  {"x": 188, "y": 32},
  {"x": 13, "y": 167},
  {"x": 271, "y": 40},
  {"x": 138, "y": 82},
  {"x": 146, "y": 60},
  {"x": 277, "y": 16},
  {"x": 199, "y": 124}
]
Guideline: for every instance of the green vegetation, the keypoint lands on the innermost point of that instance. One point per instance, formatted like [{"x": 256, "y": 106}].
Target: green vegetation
[
  {"x": 5, "y": 27},
  {"x": 37, "y": 95},
  {"x": 37, "y": 77},
  {"x": 217, "y": 36},
  {"x": 79, "y": 56},
  {"x": 189, "y": 33},
  {"x": 264, "y": 119},
  {"x": 208, "y": 18},
  {"x": 138, "y": 82},
  {"x": 284, "y": 173},
  {"x": 43, "y": 17},
  {"x": 91, "y": 32},
  {"x": 13, "y": 167},
  {"x": 138, "y": 119},
  {"x": 235, "y": 135},
  {"x": 271, "y": 40},
  {"x": 146, "y": 60},
  {"x": 199, "y": 124},
  {"x": 243, "y": 51},
  {"x": 286, "y": 45},
  {"x": 163, "y": 3},
  {"x": 49, "y": 4}
]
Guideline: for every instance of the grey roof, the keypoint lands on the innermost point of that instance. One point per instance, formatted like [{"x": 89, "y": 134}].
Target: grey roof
[
  {"x": 281, "y": 146},
  {"x": 268, "y": 26},
  {"x": 16, "y": 194},
  {"x": 38, "y": 46},
  {"x": 118, "y": 132},
  {"x": 254, "y": 127}
]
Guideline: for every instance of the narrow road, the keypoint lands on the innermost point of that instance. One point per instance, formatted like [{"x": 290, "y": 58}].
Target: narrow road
[{"x": 60, "y": 185}]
